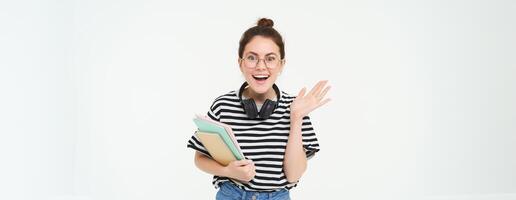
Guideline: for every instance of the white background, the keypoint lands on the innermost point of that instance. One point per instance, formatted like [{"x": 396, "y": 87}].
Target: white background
[{"x": 97, "y": 97}]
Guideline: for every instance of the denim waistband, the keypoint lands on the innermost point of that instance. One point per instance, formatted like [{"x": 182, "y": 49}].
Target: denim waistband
[{"x": 228, "y": 186}]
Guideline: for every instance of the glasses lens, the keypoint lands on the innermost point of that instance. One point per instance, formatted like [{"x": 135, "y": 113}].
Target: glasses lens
[
  {"x": 271, "y": 61},
  {"x": 250, "y": 61}
]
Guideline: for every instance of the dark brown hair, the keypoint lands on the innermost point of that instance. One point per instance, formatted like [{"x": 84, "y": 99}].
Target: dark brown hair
[{"x": 263, "y": 28}]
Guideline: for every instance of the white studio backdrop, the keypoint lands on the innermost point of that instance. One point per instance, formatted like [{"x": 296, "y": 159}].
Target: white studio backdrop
[{"x": 97, "y": 97}]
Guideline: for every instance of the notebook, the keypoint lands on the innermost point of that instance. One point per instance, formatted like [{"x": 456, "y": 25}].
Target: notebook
[
  {"x": 226, "y": 127},
  {"x": 218, "y": 149},
  {"x": 205, "y": 124}
]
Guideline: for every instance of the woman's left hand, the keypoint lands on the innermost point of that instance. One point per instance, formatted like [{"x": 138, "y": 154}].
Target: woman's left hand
[{"x": 304, "y": 104}]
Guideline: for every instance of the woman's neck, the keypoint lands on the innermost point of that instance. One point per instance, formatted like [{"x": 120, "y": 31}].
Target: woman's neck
[{"x": 260, "y": 98}]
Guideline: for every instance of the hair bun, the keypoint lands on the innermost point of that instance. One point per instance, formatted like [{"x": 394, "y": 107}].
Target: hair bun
[{"x": 265, "y": 22}]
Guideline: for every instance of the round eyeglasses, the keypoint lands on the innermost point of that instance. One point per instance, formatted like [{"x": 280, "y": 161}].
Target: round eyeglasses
[{"x": 251, "y": 61}]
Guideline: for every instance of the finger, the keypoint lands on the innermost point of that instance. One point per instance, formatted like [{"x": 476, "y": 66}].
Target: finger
[
  {"x": 322, "y": 103},
  {"x": 317, "y": 88},
  {"x": 302, "y": 92},
  {"x": 249, "y": 163},
  {"x": 323, "y": 93},
  {"x": 321, "y": 87},
  {"x": 241, "y": 162},
  {"x": 312, "y": 91}
]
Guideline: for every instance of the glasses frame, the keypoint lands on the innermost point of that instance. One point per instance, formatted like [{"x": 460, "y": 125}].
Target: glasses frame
[{"x": 264, "y": 62}]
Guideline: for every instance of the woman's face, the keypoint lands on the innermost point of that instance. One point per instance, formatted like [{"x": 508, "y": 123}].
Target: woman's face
[{"x": 261, "y": 75}]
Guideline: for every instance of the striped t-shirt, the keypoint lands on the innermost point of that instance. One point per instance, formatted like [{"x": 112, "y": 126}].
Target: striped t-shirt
[{"x": 262, "y": 140}]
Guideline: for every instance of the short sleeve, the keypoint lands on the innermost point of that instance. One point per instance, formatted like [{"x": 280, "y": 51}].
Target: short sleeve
[
  {"x": 310, "y": 142},
  {"x": 194, "y": 142}
]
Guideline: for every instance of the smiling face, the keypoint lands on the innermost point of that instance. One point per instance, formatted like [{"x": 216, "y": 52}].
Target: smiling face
[{"x": 259, "y": 76}]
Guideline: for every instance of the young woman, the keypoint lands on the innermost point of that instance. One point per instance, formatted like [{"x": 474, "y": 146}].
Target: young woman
[{"x": 272, "y": 127}]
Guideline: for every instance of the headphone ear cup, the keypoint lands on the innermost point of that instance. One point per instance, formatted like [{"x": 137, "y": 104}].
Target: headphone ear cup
[
  {"x": 267, "y": 108},
  {"x": 250, "y": 108}
]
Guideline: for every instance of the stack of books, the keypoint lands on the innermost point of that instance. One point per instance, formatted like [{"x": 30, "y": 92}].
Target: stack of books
[{"x": 218, "y": 139}]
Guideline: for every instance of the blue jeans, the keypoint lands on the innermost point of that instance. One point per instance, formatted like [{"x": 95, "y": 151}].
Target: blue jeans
[{"x": 229, "y": 191}]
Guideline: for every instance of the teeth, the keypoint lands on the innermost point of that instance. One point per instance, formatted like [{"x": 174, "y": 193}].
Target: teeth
[{"x": 261, "y": 76}]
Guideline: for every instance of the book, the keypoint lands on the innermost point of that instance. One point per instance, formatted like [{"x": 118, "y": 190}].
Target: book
[
  {"x": 218, "y": 149},
  {"x": 205, "y": 124},
  {"x": 226, "y": 127}
]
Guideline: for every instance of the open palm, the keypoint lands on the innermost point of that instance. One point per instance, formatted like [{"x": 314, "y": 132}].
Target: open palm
[{"x": 304, "y": 104}]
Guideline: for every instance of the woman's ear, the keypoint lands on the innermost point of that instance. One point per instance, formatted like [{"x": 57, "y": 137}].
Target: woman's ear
[
  {"x": 282, "y": 64},
  {"x": 239, "y": 61}
]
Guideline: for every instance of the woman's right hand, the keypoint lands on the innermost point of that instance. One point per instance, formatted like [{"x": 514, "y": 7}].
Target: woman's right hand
[{"x": 243, "y": 170}]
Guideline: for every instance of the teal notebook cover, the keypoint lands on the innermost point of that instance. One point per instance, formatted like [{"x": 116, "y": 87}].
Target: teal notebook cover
[{"x": 213, "y": 128}]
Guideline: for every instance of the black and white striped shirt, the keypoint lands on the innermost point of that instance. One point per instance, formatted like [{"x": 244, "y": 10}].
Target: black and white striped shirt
[{"x": 262, "y": 140}]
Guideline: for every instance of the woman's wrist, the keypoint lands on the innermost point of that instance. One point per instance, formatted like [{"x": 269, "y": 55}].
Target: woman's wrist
[
  {"x": 296, "y": 123},
  {"x": 225, "y": 171},
  {"x": 294, "y": 117}
]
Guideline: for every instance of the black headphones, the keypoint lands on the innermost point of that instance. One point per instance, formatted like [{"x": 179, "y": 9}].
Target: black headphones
[{"x": 250, "y": 106}]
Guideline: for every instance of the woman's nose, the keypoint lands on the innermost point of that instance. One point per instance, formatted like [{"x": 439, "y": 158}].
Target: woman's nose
[{"x": 261, "y": 64}]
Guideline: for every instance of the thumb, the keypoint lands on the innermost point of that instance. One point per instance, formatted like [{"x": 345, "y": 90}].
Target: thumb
[
  {"x": 302, "y": 92},
  {"x": 241, "y": 162}
]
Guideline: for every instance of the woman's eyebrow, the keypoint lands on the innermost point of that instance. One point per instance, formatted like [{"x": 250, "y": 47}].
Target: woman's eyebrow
[{"x": 254, "y": 53}]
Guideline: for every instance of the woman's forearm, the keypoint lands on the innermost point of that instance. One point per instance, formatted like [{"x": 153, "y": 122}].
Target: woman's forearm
[
  {"x": 294, "y": 163},
  {"x": 209, "y": 165}
]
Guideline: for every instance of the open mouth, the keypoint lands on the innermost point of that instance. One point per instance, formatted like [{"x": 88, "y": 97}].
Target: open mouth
[{"x": 260, "y": 77}]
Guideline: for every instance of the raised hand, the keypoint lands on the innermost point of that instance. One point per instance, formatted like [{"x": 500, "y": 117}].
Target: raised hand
[{"x": 304, "y": 104}]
